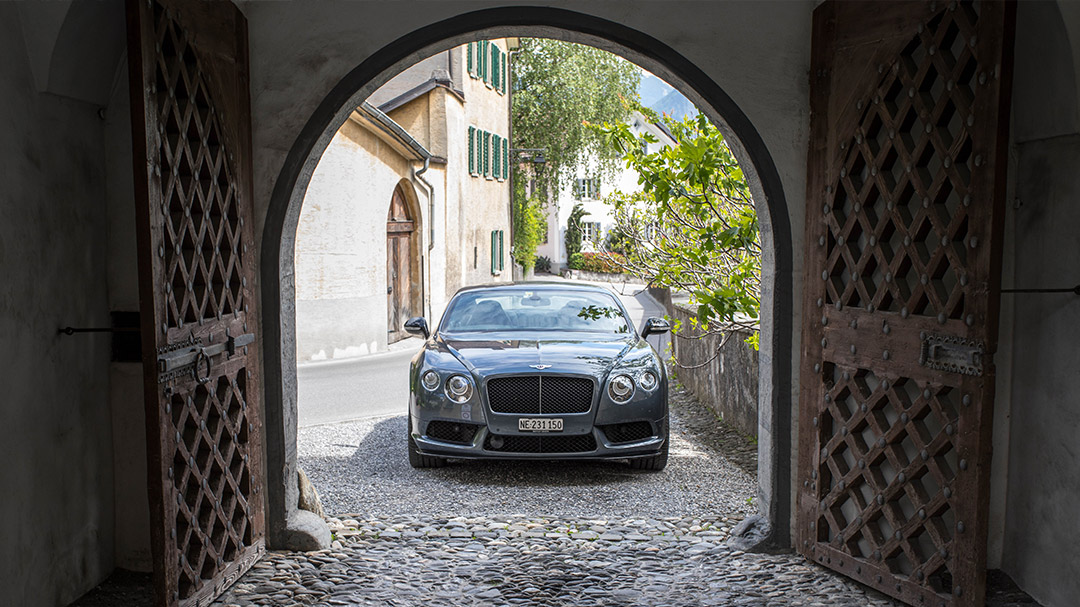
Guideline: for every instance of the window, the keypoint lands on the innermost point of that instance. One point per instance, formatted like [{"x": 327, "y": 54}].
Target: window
[
  {"x": 590, "y": 231},
  {"x": 496, "y": 251},
  {"x": 587, "y": 189},
  {"x": 493, "y": 164}
]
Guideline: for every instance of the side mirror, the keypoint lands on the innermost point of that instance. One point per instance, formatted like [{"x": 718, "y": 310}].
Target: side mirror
[
  {"x": 655, "y": 326},
  {"x": 417, "y": 326}
]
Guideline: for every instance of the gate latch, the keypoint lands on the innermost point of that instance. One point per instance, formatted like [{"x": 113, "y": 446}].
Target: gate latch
[
  {"x": 196, "y": 358},
  {"x": 954, "y": 354}
]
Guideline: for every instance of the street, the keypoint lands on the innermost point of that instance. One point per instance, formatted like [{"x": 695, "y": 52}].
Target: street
[{"x": 378, "y": 384}]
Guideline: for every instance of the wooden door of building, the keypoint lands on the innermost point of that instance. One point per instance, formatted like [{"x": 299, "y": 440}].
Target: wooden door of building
[
  {"x": 907, "y": 166},
  {"x": 192, "y": 150},
  {"x": 400, "y": 228}
]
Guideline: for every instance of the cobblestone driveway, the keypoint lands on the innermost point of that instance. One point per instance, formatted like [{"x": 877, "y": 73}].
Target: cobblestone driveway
[{"x": 533, "y": 533}]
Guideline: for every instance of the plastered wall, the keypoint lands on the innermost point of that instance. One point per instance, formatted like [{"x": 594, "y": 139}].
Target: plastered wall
[
  {"x": 341, "y": 283},
  {"x": 56, "y": 516}
]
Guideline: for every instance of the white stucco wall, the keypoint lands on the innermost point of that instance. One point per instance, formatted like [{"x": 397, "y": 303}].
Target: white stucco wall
[{"x": 341, "y": 301}]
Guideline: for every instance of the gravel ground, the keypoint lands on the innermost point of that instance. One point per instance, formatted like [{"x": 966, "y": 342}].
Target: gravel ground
[{"x": 361, "y": 469}]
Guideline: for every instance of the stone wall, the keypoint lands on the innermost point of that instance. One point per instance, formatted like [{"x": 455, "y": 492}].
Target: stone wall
[{"x": 723, "y": 378}]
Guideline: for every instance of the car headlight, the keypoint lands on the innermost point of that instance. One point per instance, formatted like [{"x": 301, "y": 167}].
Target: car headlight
[
  {"x": 458, "y": 388},
  {"x": 430, "y": 380},
  {"x": 621, "y": 388},
  {"x": 648, "y": 381}
]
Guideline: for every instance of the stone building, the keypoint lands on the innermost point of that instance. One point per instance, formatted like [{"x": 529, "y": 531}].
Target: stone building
[
  {"x": 240, "y": 106},
  {"x": 426, "y": 158}
]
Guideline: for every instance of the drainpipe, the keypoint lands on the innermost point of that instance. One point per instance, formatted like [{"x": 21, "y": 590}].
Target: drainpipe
[{"x": 431, "y": 227}]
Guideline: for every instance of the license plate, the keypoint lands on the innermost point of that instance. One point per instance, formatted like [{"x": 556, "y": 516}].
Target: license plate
[{"x": 532, "y": 424}]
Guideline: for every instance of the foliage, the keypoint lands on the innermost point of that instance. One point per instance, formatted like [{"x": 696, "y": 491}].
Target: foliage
[
  {"x": 574, "y": 231},
  {"x": 558, "y": 87},
  {"x": 575, "y": 261},
  {"x": 693, "y": 227},
  {"x": 529, "y": 225},
  {"x": 606, "y": 262},
  {"x": 543, "y": 264}
]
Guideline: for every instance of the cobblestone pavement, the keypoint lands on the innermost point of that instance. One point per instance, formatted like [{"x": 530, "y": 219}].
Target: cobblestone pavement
[{"x": 505, "y": 533}]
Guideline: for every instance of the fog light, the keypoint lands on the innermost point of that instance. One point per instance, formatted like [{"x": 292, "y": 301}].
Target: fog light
[{"x": 497, "y": 442}]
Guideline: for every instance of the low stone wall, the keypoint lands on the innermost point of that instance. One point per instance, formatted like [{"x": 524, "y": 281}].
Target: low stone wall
[{"x": 728, "y": 384}]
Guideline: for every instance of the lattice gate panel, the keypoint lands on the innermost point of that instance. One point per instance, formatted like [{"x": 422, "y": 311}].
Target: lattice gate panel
[
  {"x": 190, "y": 116},
  {"x": 903, "y": 255}
]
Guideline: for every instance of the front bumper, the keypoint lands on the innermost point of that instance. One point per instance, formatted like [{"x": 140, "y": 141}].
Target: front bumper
[{"x": 636, "y": 429}]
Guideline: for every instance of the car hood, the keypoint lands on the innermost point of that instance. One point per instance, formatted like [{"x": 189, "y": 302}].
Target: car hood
[{"x": 587, "y": 355}]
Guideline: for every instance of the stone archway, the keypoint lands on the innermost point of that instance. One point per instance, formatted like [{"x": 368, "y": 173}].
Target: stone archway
[{"x": 286, "y": 528}]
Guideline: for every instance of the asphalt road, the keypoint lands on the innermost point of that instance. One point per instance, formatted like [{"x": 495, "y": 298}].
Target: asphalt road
[{"x": 378, "y": 384}]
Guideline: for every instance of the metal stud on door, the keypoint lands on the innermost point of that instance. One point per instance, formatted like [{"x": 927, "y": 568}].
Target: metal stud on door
[
  {"x": 191, "y": 132},
  {"x": 905, "y": 185}
]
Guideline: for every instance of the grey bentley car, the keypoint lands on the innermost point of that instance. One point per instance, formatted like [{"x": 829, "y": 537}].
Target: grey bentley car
[{"x": 537, "y": 371}]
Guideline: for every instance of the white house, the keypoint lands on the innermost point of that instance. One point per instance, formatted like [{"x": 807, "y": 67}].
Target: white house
[{"x": 589, "y": 189}]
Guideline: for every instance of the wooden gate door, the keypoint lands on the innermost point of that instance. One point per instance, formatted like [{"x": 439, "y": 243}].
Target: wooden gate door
[
  {"x": 399, "y": 232},
  {"x": 907, "y": 166},
  {"x": 192, "y": 149}
]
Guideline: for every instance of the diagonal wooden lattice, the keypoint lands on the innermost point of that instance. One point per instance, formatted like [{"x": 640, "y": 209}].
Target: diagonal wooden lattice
[
  {"x": 887, "y": 464},
  {"x": 902, "y": 252},
  {"x": 189, "y": 69},
  {"x": 202, "y": 249},
  {"x": 211, "y": 479},
  {"x": 897, "y": 219}
]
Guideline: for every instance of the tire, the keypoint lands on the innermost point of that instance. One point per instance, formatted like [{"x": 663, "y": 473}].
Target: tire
[
  {"x": 655, "y": 463},
  {"x": 419, "y": 460}
]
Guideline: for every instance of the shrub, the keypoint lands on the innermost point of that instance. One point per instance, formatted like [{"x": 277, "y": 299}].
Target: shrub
[
  {"x": 576, "y": 261},
  {"x": 606, "y": 263},
  {"x": 543, "y": 264}
]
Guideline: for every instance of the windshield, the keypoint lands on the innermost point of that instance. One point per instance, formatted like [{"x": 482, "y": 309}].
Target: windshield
[{"x": 539, "y": 309}]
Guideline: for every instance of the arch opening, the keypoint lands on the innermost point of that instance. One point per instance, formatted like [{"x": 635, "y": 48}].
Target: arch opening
[{"x": 277, "y": 262}]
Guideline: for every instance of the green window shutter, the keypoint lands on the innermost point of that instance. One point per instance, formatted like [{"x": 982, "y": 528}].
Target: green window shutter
[
  {"x": 501, "y": 252},
  {"x": 495, "y": 80},
  {"x": 484, "y": 67},
  {"x": 472, "y": 157},
  {"x": 487, "y": 154},
  {"x": 502, "y": 87},
  {"x": 493, "y": 251},
  {"x": 499, "y": 158},
  {"x": 506, "y": 158},
  {"x": 469, "y": 54}
]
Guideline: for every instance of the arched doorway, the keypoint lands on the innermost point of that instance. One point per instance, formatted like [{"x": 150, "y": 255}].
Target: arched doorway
[
  {"x": 401, "y": 234},
  {"x": 775, "y": 382}
]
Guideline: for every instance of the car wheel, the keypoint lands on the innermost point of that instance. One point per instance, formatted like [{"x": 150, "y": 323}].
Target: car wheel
[
  {"x": 419, "y": 460},
  {"x": 656, "y": 462}
]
